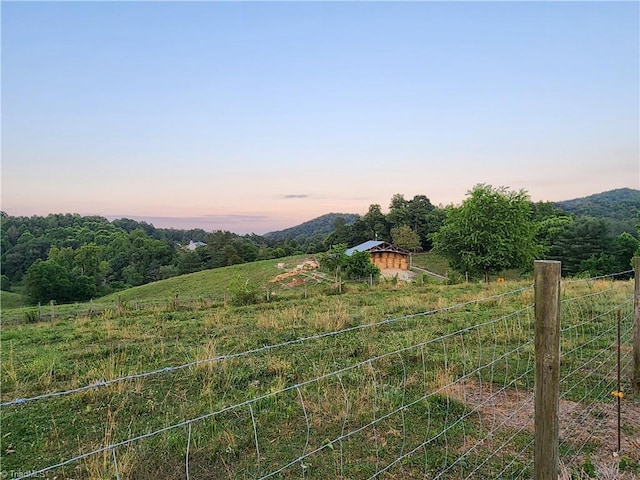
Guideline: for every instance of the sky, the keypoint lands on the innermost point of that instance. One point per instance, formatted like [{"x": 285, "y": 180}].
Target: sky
[{"x": 258, "y": 116}]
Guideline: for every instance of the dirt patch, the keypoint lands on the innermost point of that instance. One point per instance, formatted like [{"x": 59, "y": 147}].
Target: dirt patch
[
  {"x": 580, "y": 424},
  {"x": 404, "y": 275}
]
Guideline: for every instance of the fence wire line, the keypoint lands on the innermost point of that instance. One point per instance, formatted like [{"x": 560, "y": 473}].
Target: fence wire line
[
  {"x": 592, "y": 294},
  {"x": 599, "y": 277},
  {"x": 471, "y": 412},
  {"x": 317, "y": 379},
  {"x": 401, "y": 409},
  {"x": 136, "y": 376},
  {"x": 588, "y": 411},
  {"x": 606, "y": 381},
  {"x": 592, "y": 340},
  {"x": 620, "y": 306},
  {"x": 338, "y": 373}
]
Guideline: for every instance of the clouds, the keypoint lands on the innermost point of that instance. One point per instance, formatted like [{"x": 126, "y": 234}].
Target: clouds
[{"x": 296, "y": 195}]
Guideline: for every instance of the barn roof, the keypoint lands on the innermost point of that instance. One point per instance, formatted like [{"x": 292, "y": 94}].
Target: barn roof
[{"x": 375, "y": 246}]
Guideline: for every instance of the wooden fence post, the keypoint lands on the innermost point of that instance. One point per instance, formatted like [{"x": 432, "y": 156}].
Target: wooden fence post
[
  {"x": 547, "y": 368},
  {"x": 53, "y": 311},
  {"x": 636, "y": 326}
]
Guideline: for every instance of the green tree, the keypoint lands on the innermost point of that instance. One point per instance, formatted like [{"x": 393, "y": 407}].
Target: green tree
[
  {"x": 334, "y": 260},
  {"x": 404, "y": 237},
  {"x": 490, "y": 232},
  {"x": 624, "y": 247},
  {"x": 358, "y": 266},
  {"x": 46, "y": 280},
  {"x": 398, "y": 210},
  {"x": 419, "y": 214},
  {"x": 549, "y": 230},
  {"x": 341, "y": 233},
  {"x": 64, "y": 256},
  {"x": 377, "y": 227},
  {"x": 188, "y": 262},
  {"x": 584, "y": 240}
]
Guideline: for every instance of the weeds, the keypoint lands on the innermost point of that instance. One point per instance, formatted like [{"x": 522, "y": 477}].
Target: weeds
[{"x": 395, "y": 392}]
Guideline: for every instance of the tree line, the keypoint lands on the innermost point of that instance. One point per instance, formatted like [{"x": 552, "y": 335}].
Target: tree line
[
  {"x": 68, "y": 257},
  {"x": 497, "y": 229}
]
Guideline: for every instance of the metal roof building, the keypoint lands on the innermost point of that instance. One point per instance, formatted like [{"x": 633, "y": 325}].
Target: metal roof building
[{"x": 383, "y": 254}]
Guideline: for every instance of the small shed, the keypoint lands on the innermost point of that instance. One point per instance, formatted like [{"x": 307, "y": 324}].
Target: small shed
[{"x": 384, "y": 255}]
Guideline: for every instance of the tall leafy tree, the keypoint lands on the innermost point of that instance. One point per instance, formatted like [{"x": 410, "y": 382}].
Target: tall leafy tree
[
  {"x": 334, "y": 259},
  {"x": 46, "y": 280},
  {"x": 624, "y": 247},
  {"x": 404, "y": 237},
  {"x": 359, "y": 266},
  {"x": 398, "y": 210},
  {"x": 490, "y": 232},
  {"x": 419, "y": 214},
  {"x": 376, "y": 222}
]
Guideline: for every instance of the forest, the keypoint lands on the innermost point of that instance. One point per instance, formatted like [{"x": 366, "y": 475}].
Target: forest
[{"x": 69, "y": 257}]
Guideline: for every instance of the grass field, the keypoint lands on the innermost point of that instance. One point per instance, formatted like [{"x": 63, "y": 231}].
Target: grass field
[
  {"x": 359, "y": 399},
  {"x": 9, "y": 300}
]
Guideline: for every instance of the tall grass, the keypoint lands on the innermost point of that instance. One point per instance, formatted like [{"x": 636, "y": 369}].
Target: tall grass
[{"x": 393, "y": 393}]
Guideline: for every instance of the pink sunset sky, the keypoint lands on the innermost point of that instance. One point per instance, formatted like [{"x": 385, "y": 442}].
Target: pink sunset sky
[{"x": 254, "y": 117}]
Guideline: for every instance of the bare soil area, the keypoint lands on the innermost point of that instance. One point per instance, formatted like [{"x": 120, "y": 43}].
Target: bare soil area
[
  {"x": 404, "y": 275},
  {"x": 579, "y": 424}
]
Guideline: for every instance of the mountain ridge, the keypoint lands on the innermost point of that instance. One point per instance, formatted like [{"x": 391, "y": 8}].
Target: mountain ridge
[
  {"x": 322, "y": 225},
  {"x": 597, "y": 205},
  {"x": 625, "y": 200}
]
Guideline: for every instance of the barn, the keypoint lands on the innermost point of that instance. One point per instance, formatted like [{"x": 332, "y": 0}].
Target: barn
[{"x": 384, "y": 255}]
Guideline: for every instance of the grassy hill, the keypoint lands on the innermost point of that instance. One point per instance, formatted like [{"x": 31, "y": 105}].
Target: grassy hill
[
  {"x": 260, "y": 398},
  {"x": 11, "y": 300},
  {"x": 209, "y": 284},
  {"x": 204, "y": 288}
]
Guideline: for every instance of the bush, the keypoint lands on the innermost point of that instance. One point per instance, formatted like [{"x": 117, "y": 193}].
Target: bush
[
  {"x": 31, "y": 316},
  {"x": 244, "y": 293}
]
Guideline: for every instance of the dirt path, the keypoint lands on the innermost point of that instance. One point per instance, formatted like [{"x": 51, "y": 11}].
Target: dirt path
[{"x": 579, "y": 424}]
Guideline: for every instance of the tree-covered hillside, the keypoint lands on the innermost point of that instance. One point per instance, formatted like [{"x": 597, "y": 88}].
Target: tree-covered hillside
[
  {"x": 68, "y": 257},
  {"x": 318, "y": 227},
  {"x": 619, "y": 208}
]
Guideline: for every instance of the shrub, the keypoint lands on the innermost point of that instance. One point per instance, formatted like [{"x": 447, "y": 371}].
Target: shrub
[{"x": 244, "y": 293}]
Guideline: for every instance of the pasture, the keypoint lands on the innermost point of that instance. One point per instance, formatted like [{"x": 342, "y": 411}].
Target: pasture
[{"x": 389, "y": 381}]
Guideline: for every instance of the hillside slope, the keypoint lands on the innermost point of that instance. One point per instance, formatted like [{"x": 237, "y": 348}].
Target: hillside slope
[
  {"x": 619, "y": 204},
  {"x": 322, "y": 225},
  {"x": 211, "y": 284}
]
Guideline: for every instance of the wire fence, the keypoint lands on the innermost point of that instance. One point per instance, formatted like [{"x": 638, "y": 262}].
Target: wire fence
[{"x": 443, "y": 393}]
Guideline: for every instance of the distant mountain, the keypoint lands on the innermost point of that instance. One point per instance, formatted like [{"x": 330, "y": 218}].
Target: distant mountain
[
  {"x": 619, "y": 207},
  {"x": 621, "y": 204},
  {"x": 320, "y": 226}
]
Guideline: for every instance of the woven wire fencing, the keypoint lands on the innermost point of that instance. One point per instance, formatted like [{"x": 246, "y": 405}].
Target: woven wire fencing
[
  {"x": 597, "y": 322},
  {"x": 443, "y": 393}
]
